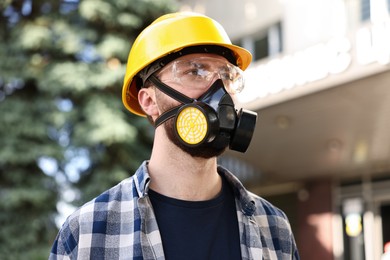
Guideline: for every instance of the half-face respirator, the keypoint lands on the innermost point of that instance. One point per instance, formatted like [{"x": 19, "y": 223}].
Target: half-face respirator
[{"x": 210, "y": 120}]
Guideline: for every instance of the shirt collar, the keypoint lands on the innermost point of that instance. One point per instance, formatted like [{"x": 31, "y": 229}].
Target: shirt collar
[
  {"x": 247, "y": 203},
  {"x": 142, "y": 180}
]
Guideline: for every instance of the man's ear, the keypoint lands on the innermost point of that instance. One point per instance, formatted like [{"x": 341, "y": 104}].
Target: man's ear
[{"x": 147, "y": 101}]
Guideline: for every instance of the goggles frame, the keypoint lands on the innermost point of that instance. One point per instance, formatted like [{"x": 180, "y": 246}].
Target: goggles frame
[{"x": 201, "y": 73}]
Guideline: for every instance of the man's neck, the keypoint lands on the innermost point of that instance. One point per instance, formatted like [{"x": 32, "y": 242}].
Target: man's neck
[{"x": 177, "y": 174}]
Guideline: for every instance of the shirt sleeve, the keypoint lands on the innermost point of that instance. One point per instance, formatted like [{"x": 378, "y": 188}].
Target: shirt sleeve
[{"x": 65, "y": 244}]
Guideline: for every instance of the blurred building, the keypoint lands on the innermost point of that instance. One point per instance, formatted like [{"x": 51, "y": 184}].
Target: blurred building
[{"x": 320, "y": 82}]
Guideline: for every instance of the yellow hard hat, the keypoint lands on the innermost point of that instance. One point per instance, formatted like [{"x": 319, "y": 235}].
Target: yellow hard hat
[{"x": 169, "y": 34}]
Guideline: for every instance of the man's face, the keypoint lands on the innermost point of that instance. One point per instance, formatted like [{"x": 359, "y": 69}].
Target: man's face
[{"x": 192, "y": 75}]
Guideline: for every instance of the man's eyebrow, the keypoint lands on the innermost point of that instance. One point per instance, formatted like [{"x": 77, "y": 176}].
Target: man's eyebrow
[
  {"x": 197, "y": 64},
  {"x": 204, "y": 63}
]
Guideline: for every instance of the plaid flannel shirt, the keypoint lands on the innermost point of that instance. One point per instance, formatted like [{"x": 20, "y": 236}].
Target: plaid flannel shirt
[{"x": 120, "y": 224}]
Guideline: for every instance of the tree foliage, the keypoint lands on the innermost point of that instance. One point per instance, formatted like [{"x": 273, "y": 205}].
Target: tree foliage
[{"x": 64, "y": 134}]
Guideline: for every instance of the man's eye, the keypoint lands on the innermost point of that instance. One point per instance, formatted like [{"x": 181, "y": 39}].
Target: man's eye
[
  {"x": 197, "y": 72},
  {"x": 227, "y": 76},
  {"x": 194, "y": 72}
]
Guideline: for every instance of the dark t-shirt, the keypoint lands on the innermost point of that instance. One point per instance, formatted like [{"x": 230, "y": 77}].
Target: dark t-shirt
[{"x": 198, "y": 230}]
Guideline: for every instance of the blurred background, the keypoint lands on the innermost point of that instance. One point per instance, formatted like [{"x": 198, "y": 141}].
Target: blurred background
[{"x": 319, "y": 82}]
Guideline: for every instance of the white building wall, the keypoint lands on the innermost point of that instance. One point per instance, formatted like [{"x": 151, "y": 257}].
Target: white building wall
[
  {"x": 239, "y": 18},
  {"x": 309, "y": 22}
]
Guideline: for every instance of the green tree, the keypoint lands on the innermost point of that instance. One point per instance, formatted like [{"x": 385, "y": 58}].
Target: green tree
[{"x": 64, "y": 134}]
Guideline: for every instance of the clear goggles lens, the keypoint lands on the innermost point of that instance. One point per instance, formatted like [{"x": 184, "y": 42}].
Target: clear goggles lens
[{"x": 201, "y": 73}]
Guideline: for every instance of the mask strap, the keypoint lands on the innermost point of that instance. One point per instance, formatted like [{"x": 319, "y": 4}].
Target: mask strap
[
  {"x": 166, "y": 115},
  {"x": 170, "y": 91},
  {"x": 173, "y": 94}
]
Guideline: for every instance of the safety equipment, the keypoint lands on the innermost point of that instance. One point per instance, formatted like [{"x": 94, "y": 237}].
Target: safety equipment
[
  {"x": 210, "y": 120},
  {"x": 171, "y": 34},
  {"x": 199, "y": 73}
]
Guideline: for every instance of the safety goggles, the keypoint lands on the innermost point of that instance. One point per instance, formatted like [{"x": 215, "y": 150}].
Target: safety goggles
[{"x": 200, "y": 73}]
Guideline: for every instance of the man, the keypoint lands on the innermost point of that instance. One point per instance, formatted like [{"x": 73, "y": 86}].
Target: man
[{"x": 182, "y": 73}]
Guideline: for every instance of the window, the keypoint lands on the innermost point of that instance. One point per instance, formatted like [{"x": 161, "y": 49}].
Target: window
[
  {"x": 388, "y": 5},
  {"x": 261, "y": 48},
  {"x": 265, "y": 43},
  {"x": 365, "y": 10}
]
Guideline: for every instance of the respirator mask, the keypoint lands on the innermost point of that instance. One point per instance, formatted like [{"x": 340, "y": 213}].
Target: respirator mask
[{"x": 210, "y": 120}]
